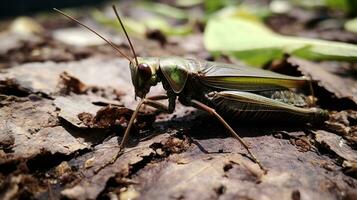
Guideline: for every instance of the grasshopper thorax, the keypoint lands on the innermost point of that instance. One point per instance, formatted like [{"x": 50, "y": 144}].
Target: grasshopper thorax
[{"x": 144, "y": 75}]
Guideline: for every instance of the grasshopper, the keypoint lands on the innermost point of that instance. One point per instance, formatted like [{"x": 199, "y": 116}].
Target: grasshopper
[{"x": 241, "y": 92}]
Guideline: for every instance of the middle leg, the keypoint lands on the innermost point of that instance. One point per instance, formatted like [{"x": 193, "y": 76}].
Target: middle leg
[{"x": 213, "y": 112}]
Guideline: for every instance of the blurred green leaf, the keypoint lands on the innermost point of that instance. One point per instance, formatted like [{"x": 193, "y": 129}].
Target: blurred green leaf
[
  {"x": 140, "y": 28},
  {"x": 256, "y": 44},
  {"x": 280, "y": 6},
  {"x": 131, "y": 26},
  {"x": 164, "y": 10},
  {"x": 156, "y": 23},
  {"x": 188, "y": 3},
  {"x": 347, "y": 6},
  {"x": 351, "y": 25},
  {"x": 213, "y": 5},
  {"x": 246, "y": 11},
  {"x": 26, "y": 25}
]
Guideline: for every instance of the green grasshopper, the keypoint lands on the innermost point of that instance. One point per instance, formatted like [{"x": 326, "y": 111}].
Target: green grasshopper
[{"x": 241, "y": 92}]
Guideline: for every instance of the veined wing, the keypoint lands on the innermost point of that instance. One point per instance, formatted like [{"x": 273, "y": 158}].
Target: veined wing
[
  {"x": 234, "y": 77},
  {"x": 250, "y": 106}
]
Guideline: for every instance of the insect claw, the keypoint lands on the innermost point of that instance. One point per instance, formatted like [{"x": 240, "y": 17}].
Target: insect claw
[
  {"x": 211, "y": 94},
  {"x": 120, "y": 152},
  {"x": 112, "y": 161}
]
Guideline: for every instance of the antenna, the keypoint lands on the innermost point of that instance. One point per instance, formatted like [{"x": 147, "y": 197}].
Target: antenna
[
  {"x": 126, "y": 34},
  {"x": 93, "y": 31}
]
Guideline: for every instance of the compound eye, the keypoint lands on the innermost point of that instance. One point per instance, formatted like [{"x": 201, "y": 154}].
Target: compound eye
[{"x": 144, "y": 70}]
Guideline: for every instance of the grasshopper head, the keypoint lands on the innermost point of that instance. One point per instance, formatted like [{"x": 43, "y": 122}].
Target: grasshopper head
[{"x": 144, "y": 75}]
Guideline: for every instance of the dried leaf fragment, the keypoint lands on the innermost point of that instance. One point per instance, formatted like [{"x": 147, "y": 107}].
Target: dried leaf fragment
[
  {"x": 336, "y": 144},
  {"x": 340, "y": 86}
]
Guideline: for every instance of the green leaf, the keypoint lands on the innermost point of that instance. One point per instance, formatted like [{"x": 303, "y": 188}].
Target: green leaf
[
  {"x": 164, "y": 10},
  {"x": 133, "y": 27},
  {"x": 255, "y": 44},
  {"x": 188, "y": 3},
  {"x": 351, "y": 25},
  {"x": 140, "y": 28},
  {"x": 347, "y": 6}
]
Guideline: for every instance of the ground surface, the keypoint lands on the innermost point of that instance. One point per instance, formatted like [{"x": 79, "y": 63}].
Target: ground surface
[{"x": 64, "y": 108}]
